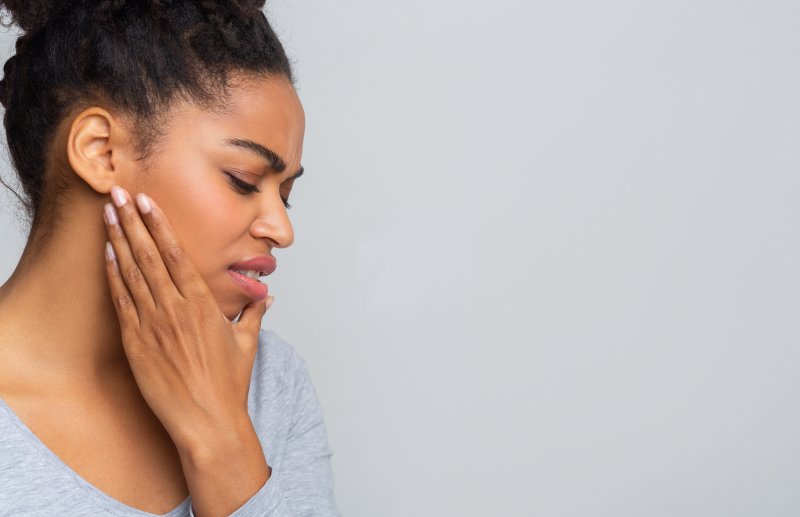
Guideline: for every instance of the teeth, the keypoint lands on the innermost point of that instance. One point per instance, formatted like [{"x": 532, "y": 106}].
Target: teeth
[{"x": 249, "y": 274}]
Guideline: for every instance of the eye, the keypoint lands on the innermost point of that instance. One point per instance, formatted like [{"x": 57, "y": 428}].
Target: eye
[
  {"x": 245, "y": 188},
  {"x": 242, "y": 186}
]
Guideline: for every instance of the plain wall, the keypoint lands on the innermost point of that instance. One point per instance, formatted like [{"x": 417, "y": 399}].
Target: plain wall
[{"x": 546, "y": 256}]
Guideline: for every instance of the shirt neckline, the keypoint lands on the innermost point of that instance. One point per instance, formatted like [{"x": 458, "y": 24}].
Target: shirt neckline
[{"x": 101, "y": 497}]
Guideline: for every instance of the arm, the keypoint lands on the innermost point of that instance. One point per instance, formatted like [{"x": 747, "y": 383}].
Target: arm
[
  {"x": 303, "y": 486},
  {"x": 222, "y": 477}
]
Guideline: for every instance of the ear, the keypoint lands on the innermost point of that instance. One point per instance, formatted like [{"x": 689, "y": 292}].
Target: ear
[{"x": 96, "y": 148}]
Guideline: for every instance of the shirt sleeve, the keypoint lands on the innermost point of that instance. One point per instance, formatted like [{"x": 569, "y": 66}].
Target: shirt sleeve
[{"x": 304, "y": 485}]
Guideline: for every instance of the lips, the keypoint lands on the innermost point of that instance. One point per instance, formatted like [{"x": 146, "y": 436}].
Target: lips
[
  {"x": 253, "y": 288},
  {"x": 264, "y": 264}
]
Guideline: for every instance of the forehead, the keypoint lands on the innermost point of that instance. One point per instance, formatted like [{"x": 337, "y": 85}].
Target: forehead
[{"x": 263, "y": 110}]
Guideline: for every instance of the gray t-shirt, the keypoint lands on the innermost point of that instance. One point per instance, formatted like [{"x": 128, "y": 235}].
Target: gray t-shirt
[{"x": 286, "y": 414}]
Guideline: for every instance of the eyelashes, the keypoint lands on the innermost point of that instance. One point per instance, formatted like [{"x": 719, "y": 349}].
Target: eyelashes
[
  {"x": 242, "y": 186},
  {"x": 245, "y": 188}
]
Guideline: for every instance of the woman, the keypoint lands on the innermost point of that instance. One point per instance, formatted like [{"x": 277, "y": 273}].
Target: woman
[{"x": 157, "y": 143}]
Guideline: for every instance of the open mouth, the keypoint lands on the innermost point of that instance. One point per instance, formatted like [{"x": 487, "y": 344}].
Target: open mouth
[
  {"x": 249, "y": 273},
  {"x": 248, "y": 282}
]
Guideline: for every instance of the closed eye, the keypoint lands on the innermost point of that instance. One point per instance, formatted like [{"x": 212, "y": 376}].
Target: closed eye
[{"x": 245, "y": 188}]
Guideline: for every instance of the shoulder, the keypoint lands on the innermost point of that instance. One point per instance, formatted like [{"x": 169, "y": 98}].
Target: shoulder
[
  {"x": 281, "y": 391},
  {"x": 276, "y": 355},
  {"x": 279, "y": 370}
]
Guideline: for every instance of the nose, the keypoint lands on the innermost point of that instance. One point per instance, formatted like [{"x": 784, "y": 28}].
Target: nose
[{"x": 273, "y": 221}]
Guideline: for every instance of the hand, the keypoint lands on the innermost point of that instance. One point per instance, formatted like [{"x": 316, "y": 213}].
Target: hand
[{"x": 192, "y": 364}]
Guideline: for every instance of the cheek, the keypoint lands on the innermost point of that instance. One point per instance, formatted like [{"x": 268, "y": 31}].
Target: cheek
[
  {"x": 210, "y": 242},
  {"x": 209, "y": 234},
  {"x": 203, "y": 216}
]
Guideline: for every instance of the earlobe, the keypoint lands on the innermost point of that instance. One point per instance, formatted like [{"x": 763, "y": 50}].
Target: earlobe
[{"x": 90, "y": 149}]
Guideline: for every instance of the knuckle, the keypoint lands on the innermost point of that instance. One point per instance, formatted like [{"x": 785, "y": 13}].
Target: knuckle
[
  {"x": 125, "y": 302},
  {"x": 133, "y": 276},
  {"x": 174, "y": 254},
  {"x": 167, "y": 329},
  {"x": 148, "y": 257},
  {"x": 169, "y": 314},
  {"x": 156, "y": 224},
  {"x": 117, "y": 234}
]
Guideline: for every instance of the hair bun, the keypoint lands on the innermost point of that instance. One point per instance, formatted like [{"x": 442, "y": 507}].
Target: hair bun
[{"x": 31, "y": 15}]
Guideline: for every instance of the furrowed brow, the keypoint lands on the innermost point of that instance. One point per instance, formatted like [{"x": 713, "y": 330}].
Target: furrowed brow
[
  {"x": 272, "y": 158},
  {"x": 275, "y": 161}
]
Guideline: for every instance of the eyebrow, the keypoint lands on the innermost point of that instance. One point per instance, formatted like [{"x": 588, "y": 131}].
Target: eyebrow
[{"x": 275, "y": 161}]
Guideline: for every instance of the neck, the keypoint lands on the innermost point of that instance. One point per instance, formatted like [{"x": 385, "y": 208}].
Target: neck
[{"x": 56, "y": 314}]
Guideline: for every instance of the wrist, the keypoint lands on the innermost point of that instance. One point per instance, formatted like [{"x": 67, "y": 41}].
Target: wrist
[
  {"x": 204, "y": 443},
  {"x": 224, "y": 469}
]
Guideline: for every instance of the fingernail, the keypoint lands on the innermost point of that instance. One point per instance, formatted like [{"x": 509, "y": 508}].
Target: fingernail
[
  {"x": 118, "y": 195},
  {"x": 111, "y": 214},
  {"x": 270, "y": 299},
  {"x": 144, "y": 203},
  {"x": 110, "y": 252}
]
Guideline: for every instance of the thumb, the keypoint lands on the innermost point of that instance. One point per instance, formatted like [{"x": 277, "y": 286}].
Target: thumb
[{"x": 250, "y": 320}]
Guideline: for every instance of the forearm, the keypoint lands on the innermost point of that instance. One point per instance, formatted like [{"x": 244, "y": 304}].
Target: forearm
[{"x": 223, "y": 471}]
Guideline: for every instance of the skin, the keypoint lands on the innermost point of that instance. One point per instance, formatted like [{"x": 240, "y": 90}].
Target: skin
[{"x": 64, "y": 349}]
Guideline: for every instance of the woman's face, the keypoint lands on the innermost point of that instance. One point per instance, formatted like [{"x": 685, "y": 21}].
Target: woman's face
[{"x": 192, "y": 176}]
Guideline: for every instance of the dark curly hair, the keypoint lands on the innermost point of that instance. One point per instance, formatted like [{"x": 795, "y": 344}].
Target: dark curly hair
[{"x": 137, "y": 56}]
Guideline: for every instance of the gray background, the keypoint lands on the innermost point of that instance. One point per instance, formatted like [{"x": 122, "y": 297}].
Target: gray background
[{"x": 546, "y": 256}]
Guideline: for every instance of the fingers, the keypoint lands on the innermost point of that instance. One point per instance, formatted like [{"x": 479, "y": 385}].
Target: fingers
[
  {"x": 250, "y": 319},
  {"x": 138, "y": 257},
  {"x": 249, "y": 323},
  {"x": 123, "y": 302}
]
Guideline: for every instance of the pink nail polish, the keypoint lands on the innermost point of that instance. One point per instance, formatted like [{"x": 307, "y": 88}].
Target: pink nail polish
[
  {"x": 111, "y": 214},
  {"x": 110, "y": 252},
  {"x": 118, "y": 195},
  {"x": 144, "y": 203}
]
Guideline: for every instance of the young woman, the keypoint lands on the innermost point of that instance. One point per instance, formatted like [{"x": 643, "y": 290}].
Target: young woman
[{"x": 156, "y": 144}]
